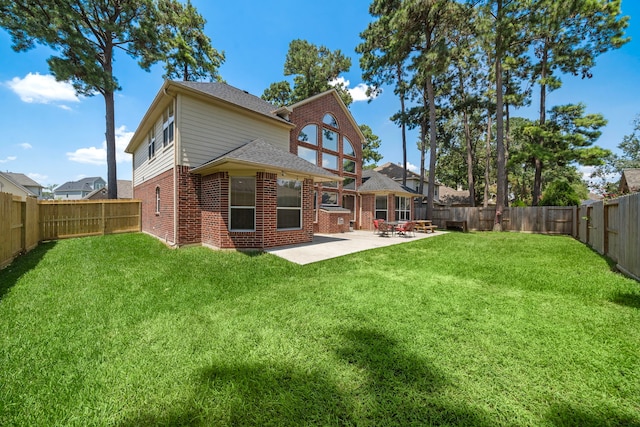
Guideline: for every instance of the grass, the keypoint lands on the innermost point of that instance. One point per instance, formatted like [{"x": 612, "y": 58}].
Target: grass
[{"x": 463, "y": 329}]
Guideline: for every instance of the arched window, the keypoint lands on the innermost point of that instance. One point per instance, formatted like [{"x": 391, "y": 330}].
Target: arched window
[
  {"x": 328, "y": 119},
  {"x": 157, "y": 200},
  {"x": 347, "y": 147},
  {"x": 309, "y": 134}
]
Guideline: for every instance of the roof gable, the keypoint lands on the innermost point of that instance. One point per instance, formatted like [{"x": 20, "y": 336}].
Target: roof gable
[
  {"x": 334, "y": 93},
  {"x": 632, "y": 178},
  {"x": 376, "y": 182},
  {"x": 22, "y": 179}
]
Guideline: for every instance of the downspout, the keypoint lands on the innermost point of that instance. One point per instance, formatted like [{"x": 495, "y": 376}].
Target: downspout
[{"x": 176, "y": 144}]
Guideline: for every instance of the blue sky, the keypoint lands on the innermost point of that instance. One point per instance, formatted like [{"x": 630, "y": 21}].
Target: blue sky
[{"x": 54, "y": 136}]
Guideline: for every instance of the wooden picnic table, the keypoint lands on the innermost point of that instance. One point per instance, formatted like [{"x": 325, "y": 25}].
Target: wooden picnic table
[{"x": 424, "y": 225}]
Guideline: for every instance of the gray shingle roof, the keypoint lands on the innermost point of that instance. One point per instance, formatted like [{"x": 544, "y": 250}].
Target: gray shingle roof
[
  {"x": 394, "y": 171},
  {"x": 235, "y": 96},
  {"x": 265, "y": 155},
  {"x": 85, "y": 184},
  {"x": 22, "y": 179},
  {"x": 632, "y": 176},
  {"x": 376, "y": 182}
]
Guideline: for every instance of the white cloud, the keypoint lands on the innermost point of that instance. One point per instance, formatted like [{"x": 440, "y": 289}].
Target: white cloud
[
  {"x": 42, "y": 89},
  {"x": 8, "y": 159},
  {"x": 98, "y": 155},
  {"x": 413, "y": 168},
  {"x": 39, "y": 178},
  {"x": 26, "y": 146},
  {"x": 358, "y": 93}
]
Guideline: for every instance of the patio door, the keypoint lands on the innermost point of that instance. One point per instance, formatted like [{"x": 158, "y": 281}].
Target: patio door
[{"x": 349, "y": 202}]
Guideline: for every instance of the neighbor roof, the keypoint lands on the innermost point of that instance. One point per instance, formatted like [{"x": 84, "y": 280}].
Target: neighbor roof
[
  {"x": 376, "y": 182},
  {"x": 263, "y": 155},
  {"x": 85, "y": 184},
  {"x": 125, "y": 190},
  {"x": 632, "y": 178},
  {"x": 394, "y": 171},
  {"x": 22, "y": 179}
]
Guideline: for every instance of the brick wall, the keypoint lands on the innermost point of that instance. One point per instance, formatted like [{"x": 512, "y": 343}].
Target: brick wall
[
  {"x": 368, "y": 211},
  {"x": 189, "y": 214},
  {"x": 159, "y": 224},
  {"x": 332, "y": 222}
]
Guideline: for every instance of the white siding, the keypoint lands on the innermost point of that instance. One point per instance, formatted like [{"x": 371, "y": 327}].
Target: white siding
[
  {"x": 145, "y": 168},
  {"x": 208, "y": 131}
]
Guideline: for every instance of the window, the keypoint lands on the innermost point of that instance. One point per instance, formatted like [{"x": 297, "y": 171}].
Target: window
[
  {"x": 349, "y": 184},
  {"x": 309, "y": 134},
  {"x": 381, "y": 207},
  {"x": 329, "y": 198},
  {"x": 403, "y": 208},
  {"x": 348, "y": 165},
  {"x": 167, "y": 126},
  {"x": 308, "y": 154},
  {"x": 329, "y": 161},
  {"x": 289, "y": 204},
  {"x": 347, "y": 147},
  {"x": 328, "y": 119},
  {"x": 152, "y": 143},
  {"x": 242, "y": 206},
  {"x": 329, "y": 140},
  {"x": 157, "y": 200}
]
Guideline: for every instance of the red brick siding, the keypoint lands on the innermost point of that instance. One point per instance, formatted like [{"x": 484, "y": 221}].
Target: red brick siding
[
  {"x": 215, "y": 208},
  {"x": 368, "y": 211},
  {"x": 189, "y": 214},
  {"x": 312, "y": 113},
  {"x": 328, "y": 222},
  {"x": 158, "y": 224}
]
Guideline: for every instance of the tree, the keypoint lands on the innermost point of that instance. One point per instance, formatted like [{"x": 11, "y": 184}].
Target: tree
[
  {"x": 315, "y": 70},
  {"x": 560, "y": 193},
  {"x": 568, "y": 36},
  {"x": 369, "y": 147},
  {"x": 186, "y": 50},
  {"x": 383, "y": 61},
  {"x": 85, "y": 35}
]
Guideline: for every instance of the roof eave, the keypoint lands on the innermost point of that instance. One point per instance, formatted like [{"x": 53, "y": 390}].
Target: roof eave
[{"x": 230, "y": 164}]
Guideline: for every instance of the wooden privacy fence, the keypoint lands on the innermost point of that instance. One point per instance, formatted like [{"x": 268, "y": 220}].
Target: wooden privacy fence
[
  {"x": 542, "y": 219},
  {"x": 612, "y": 228},
  {"x": 23, "y": 224}
]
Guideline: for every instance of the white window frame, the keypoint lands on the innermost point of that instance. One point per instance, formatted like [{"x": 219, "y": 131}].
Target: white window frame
[
  {"x": 168, "y": 126},
  {"x": 157, "y": 200},
  {"x": 290, "y": 208},
  {"x": 403, "y": 208},
  {"x": 152, "y": 144},
  {"x": 231, "y": 207},
  {"x": 386, "y": 207}
]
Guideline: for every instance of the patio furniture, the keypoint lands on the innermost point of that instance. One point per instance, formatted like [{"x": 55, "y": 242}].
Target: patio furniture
[
  {"x": 405, "y": 228},
  {"x": 425, "y": 226},
  {"x": 376, "y": 225},
  {"x": 456, "y": 225},
  {"x": 385, "y": 228}
]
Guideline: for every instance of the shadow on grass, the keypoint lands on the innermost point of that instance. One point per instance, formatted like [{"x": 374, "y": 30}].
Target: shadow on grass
[
  {"x": 395, "y": 389},
  {"x": 405, "y": 390},
  {"x": 569, "y": 416},
  {"x": 10, "y": 275},
  {"x": 628, "y": 299}
]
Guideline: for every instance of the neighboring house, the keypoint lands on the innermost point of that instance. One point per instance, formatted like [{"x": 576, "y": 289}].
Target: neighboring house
[
  {"x": 217, "y": 166},
  {"x": 395, "y": 172},
  {"x": 630, "y": 181},
  {"x": 76, "y": 190},
  {"x": 384, "y": 198},
  {"x": 20, "y": 185},
  {"x": 125, "y": 191},
  {"x": 452, "y": 197}
]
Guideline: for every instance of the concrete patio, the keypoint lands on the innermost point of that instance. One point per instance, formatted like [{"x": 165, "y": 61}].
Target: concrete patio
[{"x": 326, "y": 246}]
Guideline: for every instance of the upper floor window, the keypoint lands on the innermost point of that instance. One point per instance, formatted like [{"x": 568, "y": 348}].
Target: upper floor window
[
  {"x": 347, "y": 147},
  {"x": 308, "y": 154},
  {"x": 328, "y": 119},
  {"x": 349, "y": 166},
  {"x": 152, "y": 143},
  {"x": 329, "y": 140},
  {"x": 167, "y": 126},
  {"x": 309, "y": 134},
  {"x": 242, "y": 206},
  {"x": 329, "y": 161}
]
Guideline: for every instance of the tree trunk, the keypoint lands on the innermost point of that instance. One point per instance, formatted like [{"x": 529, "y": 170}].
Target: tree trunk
[
  {"x": 110, "y": 133},
  {"x": 487, "y": 162},
  {"x": 467, "y": 136},
  {"x": 432, "y": 146},
  {"x": 537, "y": 181},
  {"x": 501, "y": 166},
  {"x": 403, "y": 126}
]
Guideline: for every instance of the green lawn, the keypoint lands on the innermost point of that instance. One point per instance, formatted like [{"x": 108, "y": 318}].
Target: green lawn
[{"x": 462, "y": 329}]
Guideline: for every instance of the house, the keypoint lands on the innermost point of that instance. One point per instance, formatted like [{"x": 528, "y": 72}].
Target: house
[
  {"x": 452, "y": 197},
  {"x": 630, "y": 181},
  {"x": 396, "y": 172},
  {"x": 380, "y": 193},
  {"x": 217, "y": 166},
  {"x": 76, "y": 190},
  {"x": 125, "y": 191},
  {"x": 20, "y": 185}
]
